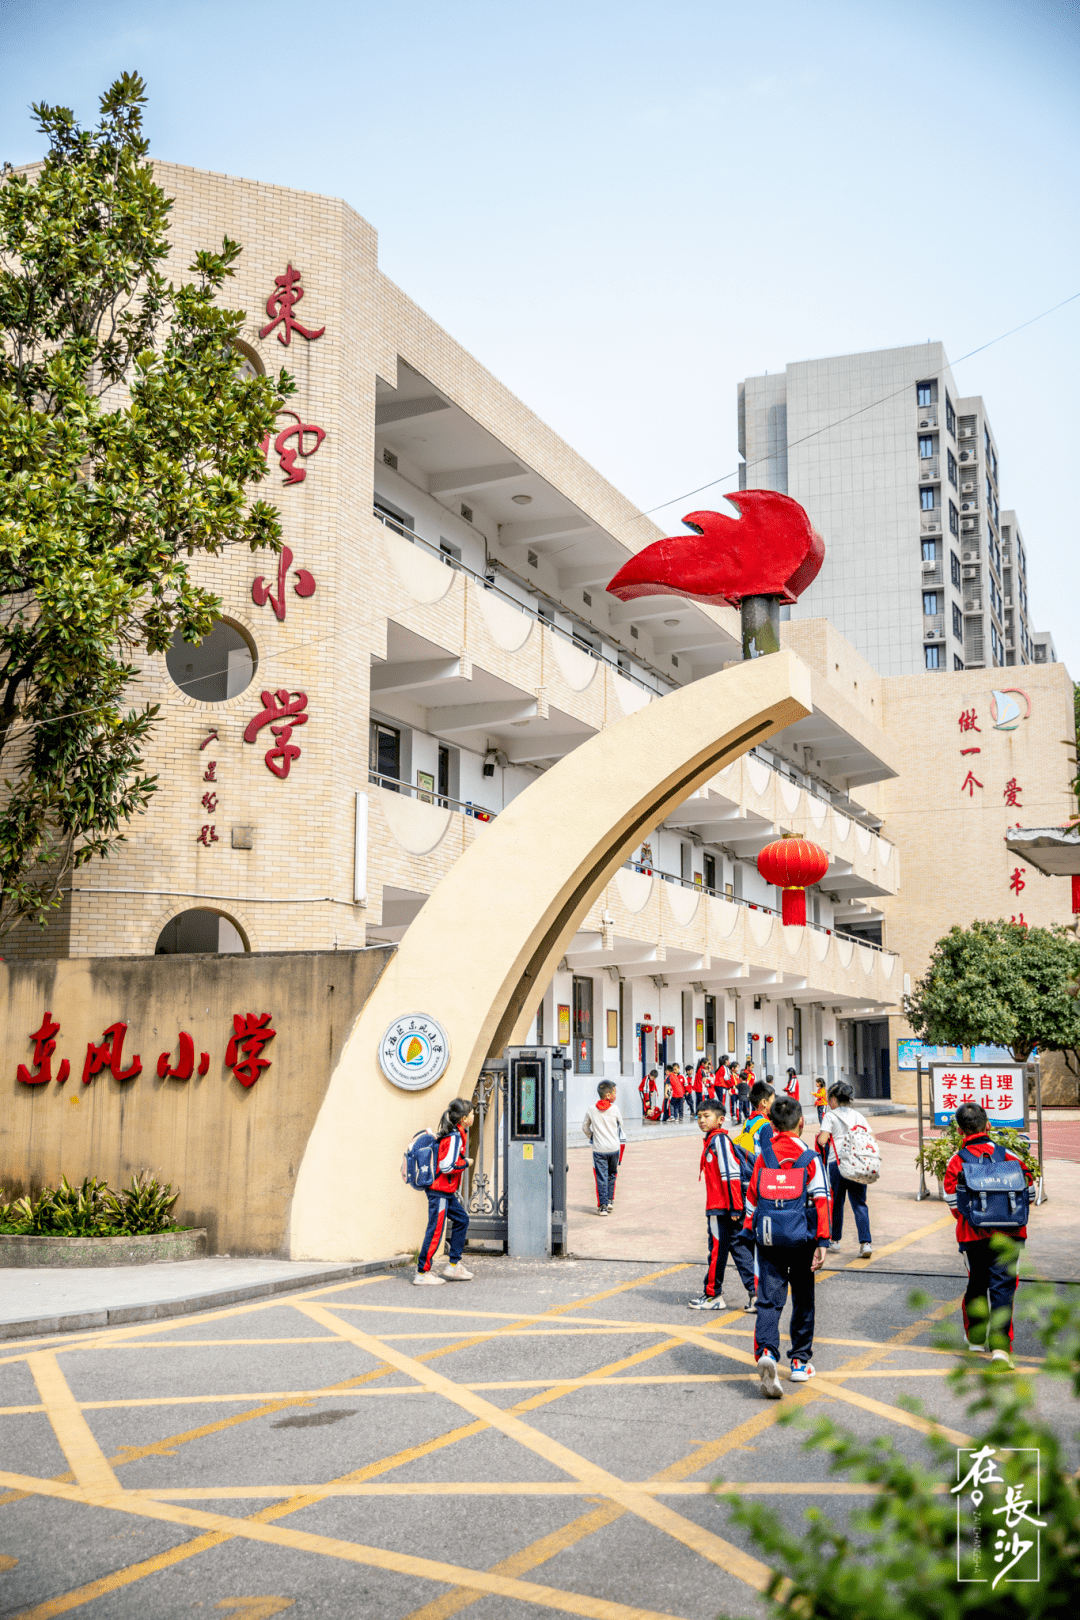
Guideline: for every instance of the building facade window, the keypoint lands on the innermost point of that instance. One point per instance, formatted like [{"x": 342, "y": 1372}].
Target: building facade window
[
  {"x": 926, "y": 446},
  {"x": 954, "y": 519},
  {"x": 995, "y": 644},
  {"x": 951, "y": 459},
  {"x": 929, "y": 551},
  {"x": 957, "y": 624},
  {"x": 933, "y": 657},
  {"x": 930, "y": 602},
  {"x": 384, "y": 753},
  {"x": 957, "y": 661},
  {"x": 924, "y": 393},
  {"x": 926, "y": 498},
  {"x": 950, "y": 415},
  {"x": 954, "y": 569},
  {"x": 583, "y": 1026}
]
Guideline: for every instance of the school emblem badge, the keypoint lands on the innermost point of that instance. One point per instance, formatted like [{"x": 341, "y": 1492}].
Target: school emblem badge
[{"x": 414, "y": 1052}]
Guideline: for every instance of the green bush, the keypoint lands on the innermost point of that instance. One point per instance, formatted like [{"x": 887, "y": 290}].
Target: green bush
[
  {"x": 92, "y": 1210},
  {"x": 900, "y": 1558},
  {"x": 936, "y": 1151}
]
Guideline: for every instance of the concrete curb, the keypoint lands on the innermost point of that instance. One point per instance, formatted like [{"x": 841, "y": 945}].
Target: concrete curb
[
  {"x": 159, "y": 1310},
  {"x": 141, "y": 1249}
]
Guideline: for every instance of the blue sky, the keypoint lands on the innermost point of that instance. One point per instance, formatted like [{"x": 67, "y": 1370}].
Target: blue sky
[{"x": 622, "y": 209}]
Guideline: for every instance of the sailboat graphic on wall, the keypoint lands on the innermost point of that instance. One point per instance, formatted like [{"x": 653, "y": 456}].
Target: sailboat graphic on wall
[{"x": 1008, "y": 708}]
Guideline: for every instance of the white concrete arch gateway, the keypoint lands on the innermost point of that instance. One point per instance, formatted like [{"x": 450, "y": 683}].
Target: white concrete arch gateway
[{"x": 478, "y": 955}]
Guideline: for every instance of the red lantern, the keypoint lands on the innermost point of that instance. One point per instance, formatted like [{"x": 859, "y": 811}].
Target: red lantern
[{"x": 792, "y": 864}]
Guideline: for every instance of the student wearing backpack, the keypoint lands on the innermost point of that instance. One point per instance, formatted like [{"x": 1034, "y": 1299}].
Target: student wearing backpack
[
  {"x": 757, "y": 1130},
  {"x": 726, "y": 1170},
  {"x": 839, "y": 1120},
  {"x": 442, "y": 1196},
  {"x": 986, "y": 1200},
  {"x": 787, "y": 1210}
]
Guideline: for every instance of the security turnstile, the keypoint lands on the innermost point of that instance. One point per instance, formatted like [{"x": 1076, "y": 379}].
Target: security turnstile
[{"x": 536, "y": 1151}]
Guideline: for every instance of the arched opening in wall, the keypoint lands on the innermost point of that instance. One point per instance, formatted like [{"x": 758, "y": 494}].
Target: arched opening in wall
[
  {"x": 220, "y": 667},
  {"x": 201, "y": 930},
  {"x": 248, "y": 362}
]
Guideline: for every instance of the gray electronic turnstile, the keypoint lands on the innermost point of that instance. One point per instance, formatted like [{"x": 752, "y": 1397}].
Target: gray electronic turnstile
[{"x": 536, "y": 1151}]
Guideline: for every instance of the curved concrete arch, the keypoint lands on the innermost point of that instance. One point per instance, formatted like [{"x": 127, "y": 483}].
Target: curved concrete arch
[{"x": 487, "y": 940}]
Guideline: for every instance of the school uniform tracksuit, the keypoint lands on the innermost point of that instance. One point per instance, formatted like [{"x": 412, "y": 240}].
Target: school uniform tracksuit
[
  {"x": 602, "y": 1124},
  {"x": 779, "y": 1269},
  {"x": 987, "y": 1275},
  {"x": 724, "y": 1215},
  {"x": 445, "y": 1205}
]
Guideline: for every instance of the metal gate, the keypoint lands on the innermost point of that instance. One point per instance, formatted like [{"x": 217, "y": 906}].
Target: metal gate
[{"x": 488, "y": 1141}]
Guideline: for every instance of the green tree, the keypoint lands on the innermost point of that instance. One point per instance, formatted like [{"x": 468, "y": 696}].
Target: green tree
[
  {"x": 1004, "y": 984},
  {"x": 899, "y": 1558},
  {"x": 128, "y": 440}
]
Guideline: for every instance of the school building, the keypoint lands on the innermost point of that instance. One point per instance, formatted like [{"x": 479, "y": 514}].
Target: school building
[{"x": 436, "y": 634}]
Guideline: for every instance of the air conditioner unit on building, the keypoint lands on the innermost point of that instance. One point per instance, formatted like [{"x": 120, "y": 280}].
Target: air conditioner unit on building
[
  {"x": 967, "y": 433},
  {"x": 967, "y": 489},
  {"x": 967, "y": 523},
  {"x": 928, "y": 564},
  {"x": 971, "y": 556},
  {"x": 932, "y": 528},
  {"x": 925, "y": 422},
  {"x": 967, "y": 506}
]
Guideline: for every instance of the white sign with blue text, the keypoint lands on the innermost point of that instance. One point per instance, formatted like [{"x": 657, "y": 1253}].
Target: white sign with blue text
[{"x": 997, "y": 1087}]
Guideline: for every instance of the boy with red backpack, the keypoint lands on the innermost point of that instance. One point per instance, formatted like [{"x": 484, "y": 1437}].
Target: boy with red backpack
[
  {"x": 986, "y": 1187},
  {"x": 787, "y": 1210},
  {"x": 726, "y": 1169}
]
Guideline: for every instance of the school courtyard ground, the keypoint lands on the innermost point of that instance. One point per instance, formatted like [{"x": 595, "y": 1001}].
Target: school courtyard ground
[{"x": 542, "y": 1440}]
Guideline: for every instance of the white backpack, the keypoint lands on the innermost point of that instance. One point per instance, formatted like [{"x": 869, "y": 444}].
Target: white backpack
[{"x": 858, "y": 1156}]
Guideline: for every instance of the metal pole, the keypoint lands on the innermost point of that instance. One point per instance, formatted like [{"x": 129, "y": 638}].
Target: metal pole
[
  {"x": 922, "y": 1192},
  {"x": 760, "y": 625},
  {"x": 1041, "y": 1194}
]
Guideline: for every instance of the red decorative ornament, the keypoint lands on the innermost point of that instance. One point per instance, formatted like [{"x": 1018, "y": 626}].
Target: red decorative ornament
[
  {"x": 768, "y": 1040},
  {"x": 755, "y": 1037},
  {"x": 830, "y": 1043},
  {"x": 770, "y": 549},
  {"x": 1076, "y": 893},
  {"x": 792, "y": 864}
]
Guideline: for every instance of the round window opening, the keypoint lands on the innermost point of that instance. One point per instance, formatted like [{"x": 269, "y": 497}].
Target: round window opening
[
  {"x": 220, "y": 667},
  {"x": 199, "y": 930}
]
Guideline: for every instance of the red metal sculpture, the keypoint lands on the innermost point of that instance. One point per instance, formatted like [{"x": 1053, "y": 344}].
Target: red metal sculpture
[
  {"x": 793, "y": 864},
  {"x": 767, "y": 555}
]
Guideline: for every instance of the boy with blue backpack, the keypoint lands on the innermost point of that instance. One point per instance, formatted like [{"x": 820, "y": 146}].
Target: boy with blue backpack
[
  {"x": 435, "y": 1164},
  {"x": 986, "y": 1187},
  {"x": 726, "y": 1169},
  {"x": 787, "y": 1210}
]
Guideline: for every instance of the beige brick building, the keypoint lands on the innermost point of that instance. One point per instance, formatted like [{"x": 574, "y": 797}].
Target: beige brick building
[{"x": 441, "y": 634}]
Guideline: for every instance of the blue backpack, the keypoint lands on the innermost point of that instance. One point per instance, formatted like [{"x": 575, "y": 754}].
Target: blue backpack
[
  {"x": 784, "y": 1216},
  {"x": 992, "y": 1192},
  {"x": 419, "y": 1167}
]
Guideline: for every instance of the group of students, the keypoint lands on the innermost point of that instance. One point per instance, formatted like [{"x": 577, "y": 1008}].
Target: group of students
[
  {"x": 774, "y": 1205},
  {"x": 726, "y": 1083}
]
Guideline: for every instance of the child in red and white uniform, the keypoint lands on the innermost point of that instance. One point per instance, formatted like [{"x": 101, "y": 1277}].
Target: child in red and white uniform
[
  {"x": 987, "y": 1274},
  {"x": 443, "y": 1201},
  {"x": 791, "y": 1267},
  {"x": 677, "y": 1082},
  {"x": 723, "y": 1210},
  {"x": 649, "y": 1091}
]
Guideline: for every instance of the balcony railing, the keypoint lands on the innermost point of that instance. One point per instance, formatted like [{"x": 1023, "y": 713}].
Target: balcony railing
[
  {"x": 428, "y": 796},
  {"x": 578, "y": 640},
  {"x": 738, "y": 900}
]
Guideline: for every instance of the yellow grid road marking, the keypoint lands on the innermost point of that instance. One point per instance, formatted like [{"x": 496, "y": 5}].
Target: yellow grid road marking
[
  {"x": 515, "y": 1487},
  {"x": 901, "y": 1243},
  {"x": 84, "y": 1456}
]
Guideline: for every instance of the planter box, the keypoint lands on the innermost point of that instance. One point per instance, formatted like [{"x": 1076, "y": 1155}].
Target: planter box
[{"x": 102, "y": 1251}]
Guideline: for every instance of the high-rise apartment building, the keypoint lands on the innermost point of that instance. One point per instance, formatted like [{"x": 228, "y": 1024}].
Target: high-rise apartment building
[{"x": 926, "y": 569}]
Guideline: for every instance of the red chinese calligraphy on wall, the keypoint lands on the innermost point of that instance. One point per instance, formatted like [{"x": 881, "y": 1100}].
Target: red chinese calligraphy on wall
[
  {"x": 971, "y": 782},
  {"x": 968, "y": 718},
  {"x": 1016, "y": 882},
  {"x": 280, "y": 306},
  {"x": 286, "y": 709},
  {"x": 1012, "y": 793},
  {"x": 185, "y": 1063},
  {"x": 261, "y": 592},
  {"x": 210, "y": 773},
  {"x": 110, "y": 1055},
  {"x": 44, "y": 1047},
  {"x": 287, "y": 454},
  {"x": 243, "y": 1056},
  {"x": 207, "y": 835}
]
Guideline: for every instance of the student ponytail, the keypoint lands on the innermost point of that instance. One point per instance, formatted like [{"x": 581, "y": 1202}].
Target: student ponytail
[{"x": 453, "y": 1116}]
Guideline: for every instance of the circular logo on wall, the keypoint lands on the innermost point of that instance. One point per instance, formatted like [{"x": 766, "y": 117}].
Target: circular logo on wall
[{"x": 414, "y": 1052}]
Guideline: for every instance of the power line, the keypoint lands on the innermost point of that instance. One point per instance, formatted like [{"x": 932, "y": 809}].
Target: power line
[{"x": 723, "y": 478}]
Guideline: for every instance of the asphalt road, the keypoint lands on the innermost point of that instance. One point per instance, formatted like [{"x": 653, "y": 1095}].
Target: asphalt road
[{"x": 539, "y": 1441}]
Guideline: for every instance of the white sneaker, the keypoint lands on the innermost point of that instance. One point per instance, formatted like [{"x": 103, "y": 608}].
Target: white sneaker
[
  {"x": 865, "y": 1251},
  {"x": 707, "y": 1302},
  {"x": 980, "y": 1349},
  {"x": 801, "y": 1371},
  {"x": 1001, "y": 1355},
  {"x": 770, "y": 1378},
  {"x": 427, "y": 1279},
  {"x": 455, "y": 1272}
]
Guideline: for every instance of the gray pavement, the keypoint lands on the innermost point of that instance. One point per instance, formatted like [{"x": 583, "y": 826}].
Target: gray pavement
[
  {"x": 50, "y": 1299},
  {"x": 539, "y": 1440}
]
